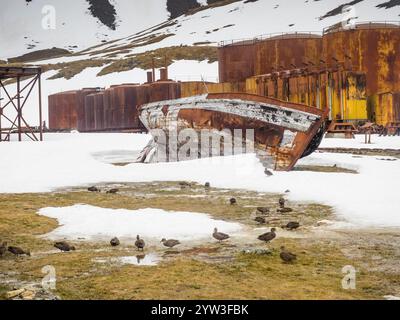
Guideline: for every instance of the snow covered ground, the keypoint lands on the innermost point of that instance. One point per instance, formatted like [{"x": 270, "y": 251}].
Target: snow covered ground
[
  {"x": 90, "y": 223},
  {"x": 359, "y": 143},
  {"x": 370, "y": 198}
]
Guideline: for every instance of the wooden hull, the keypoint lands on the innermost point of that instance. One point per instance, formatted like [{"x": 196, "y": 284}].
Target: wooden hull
[{"x": 283, "y": 132}]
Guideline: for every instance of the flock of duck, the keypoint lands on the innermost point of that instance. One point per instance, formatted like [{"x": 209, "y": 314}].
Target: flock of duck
[{"x": 140, "y": 244}]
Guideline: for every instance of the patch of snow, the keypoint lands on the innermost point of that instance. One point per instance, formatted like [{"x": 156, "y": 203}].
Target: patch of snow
[
  {"x": 391, "y": 297},
  {"x": 61, "y": 160},
  {"x": 359, "y": 142},
  {"x": 100, "y": 223}
]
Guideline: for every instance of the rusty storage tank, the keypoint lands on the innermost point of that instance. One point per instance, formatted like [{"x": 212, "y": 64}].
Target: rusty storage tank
[
  {"x": 80, "y": 107},
  {"x": 107, "y": 105},
  {"x": 164, "y": 90},
  {"x": 136, "y": 96},
  {"x": 123, "y": 100},
  {"x": 89, "y": 112},
  {"x": 287, "y": 51},
  {"x": 236, "y": 61},
  {"x": 63, "y": 110},
  {"x": 99, "y": 111},
  {"x": 372, "y": 48},
  {"x": 116, "y": 107}
]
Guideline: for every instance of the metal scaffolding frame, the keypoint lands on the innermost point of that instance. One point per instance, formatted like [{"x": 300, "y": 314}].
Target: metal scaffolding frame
[{"x": 19, "y": 124}]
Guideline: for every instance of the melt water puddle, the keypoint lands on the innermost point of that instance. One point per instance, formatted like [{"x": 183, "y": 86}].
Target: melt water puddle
[{"x": 151, "y": 259}]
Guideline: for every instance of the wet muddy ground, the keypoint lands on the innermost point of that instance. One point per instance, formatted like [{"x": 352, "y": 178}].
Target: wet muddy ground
[{"x": 240, "y": 268}]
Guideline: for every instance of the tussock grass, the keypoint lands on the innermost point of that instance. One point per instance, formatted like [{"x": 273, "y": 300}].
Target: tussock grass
[
  {"x": 71, "y": 69},
  {"x": 162, "y": 56}
]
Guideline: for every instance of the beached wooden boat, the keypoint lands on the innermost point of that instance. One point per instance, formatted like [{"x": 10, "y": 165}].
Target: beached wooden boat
[{"x": 283, "y": 132}]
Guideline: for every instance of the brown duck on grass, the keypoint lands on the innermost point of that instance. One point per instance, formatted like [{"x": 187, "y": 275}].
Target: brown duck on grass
[
  {"x": 3, "y": 248},
  {"x": 18, "y": 251},
  {"x": 113, "y": 191},
  {"x": 93, "y": 189},
  {"x": 115, "y": 242},
  {"x": 170, "y": 243},
  {"x": 287, "y": 256},
  {"x": 263, "y": 210},
  {"x": 282, "y": 202},
  {"x": 293, "y": 225},
  {"x": 64, "y": 246},
  {"x": 139, "y": 244},
  {"x": 220, "y": 236},
  {"x": 260, "y": 220},
  {"x": 269, "y": 236}
]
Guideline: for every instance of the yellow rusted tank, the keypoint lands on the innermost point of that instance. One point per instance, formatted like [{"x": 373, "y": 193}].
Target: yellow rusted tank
[
  {"x": 385, "y": 107},
  {"x": 372, "y": 48},
  {"x": 342, "y": 92}
]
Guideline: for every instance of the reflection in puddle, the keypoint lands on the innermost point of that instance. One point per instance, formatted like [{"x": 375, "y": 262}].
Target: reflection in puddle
[
  {"x": 141, "y": 260},
  {"x": 138, "y": 260}
]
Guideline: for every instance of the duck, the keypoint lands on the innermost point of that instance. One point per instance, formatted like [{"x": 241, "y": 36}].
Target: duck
[
  {"x": 94, "y": 189},
  {"x": 139, "y": 244},
  {"x": 232, "y": 201},
  {"x": 18, "y": 251},
  {"x": 263, "y": 210},
  {"x": 185, "y": 184},
  {"x": 113, "y": 191},
  {"x": 269, "y": 236},
  {"x": 282, "y": 202},
  {"x": 260, "y": 220},
  {"x": 268, "y": 173},
  {"x": 170, "y": 243},
  {"x": 287, "y": 256},
  {"x": 220, "y": 236},
  {"x": 293, "y": 225},
  {"x": 3, "y": 248},
  {"x": 115, "y": 242},
  {"x": 64, "y": 246}
]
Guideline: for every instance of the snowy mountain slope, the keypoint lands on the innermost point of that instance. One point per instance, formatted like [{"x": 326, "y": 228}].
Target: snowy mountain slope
[
  {"x": 84, "y": 23},
  {"x": 203, "y": 27},
  {"x": 77, "y": 27},
  {"x": 243, "y": 19}
]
